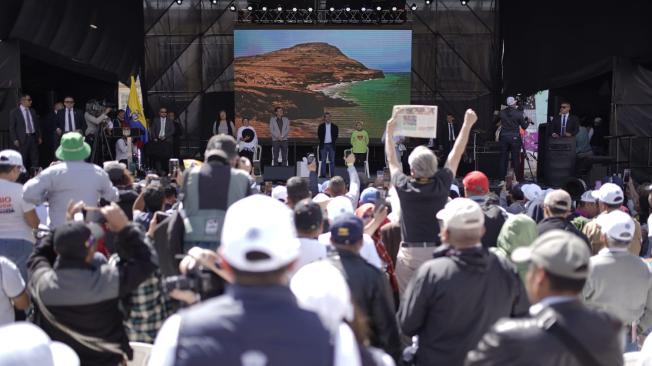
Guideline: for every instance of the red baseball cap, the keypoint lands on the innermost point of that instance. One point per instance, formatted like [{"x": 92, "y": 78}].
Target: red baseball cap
[{"x": 476, "y": 184}]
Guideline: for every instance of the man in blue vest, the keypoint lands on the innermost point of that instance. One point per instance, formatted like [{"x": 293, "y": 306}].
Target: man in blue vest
[{"x": 257, "y": 321}]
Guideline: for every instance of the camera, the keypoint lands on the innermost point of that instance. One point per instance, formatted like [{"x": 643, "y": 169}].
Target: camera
[{"x": 200, "y": 280}]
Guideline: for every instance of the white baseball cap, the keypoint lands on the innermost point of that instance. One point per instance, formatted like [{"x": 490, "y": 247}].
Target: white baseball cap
[
  {"x": 320, "y": 287},
  {"x": 511, "y": 101},
  {"x": 259, "y": 225},
  {"x": 462, "y": 213},
  {"x": 338, "y": 206},
  {"x": 280, "y": 193},
  {"x": 617, "y": 225},
  {"x": 11, "y": 157},
  {"x": 531, "y": 191},
  {"x": 588, "y": 196},
  {"x": 26, "y": 344},
  {"x": 610, "y": 194}
]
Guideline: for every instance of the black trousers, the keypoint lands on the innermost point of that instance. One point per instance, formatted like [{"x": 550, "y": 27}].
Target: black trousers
[
  {"x": 509, "y": 144},
  {"x": 29, "y": 150}
]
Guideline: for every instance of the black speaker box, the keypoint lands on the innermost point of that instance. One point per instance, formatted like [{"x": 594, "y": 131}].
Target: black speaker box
[
  {"x": 489, "y": 164},
  {"x": 278, "y": 173}
]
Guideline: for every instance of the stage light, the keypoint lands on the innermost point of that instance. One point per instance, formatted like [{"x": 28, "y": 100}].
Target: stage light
[
  {"x": 348, "y": 8},
  {"x": 332, "y": 9},
  {"x": 264, "y": 8},
  {"x": 413, "y": 7},
  {"x": 363, "y": 9},
  {"x": 463, "y": 2},
  {"x": 427, "y": 2},
  {"x": 232, "y": 7},
  {"x": 250, "y": 8},
  {"x": 379, "y": 8},
  {"x": 393, "y": 8},
  {"x": 280, "y": 8},
  {"x": 310, "y": 9},
  {"x": 214, "y": 2},
  {"x": 179, "y": 2},
  {"x": 294, "y": 9}
]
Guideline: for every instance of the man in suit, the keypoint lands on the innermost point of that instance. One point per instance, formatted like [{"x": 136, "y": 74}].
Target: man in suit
[
  {"x": 565, "y": 124},
  {"x": 327, "y": 133},
  {"x": 449, "y": 136},
  {"x": 560, "y": 329},
  {"x": 25, "y": 131},
  {"x": 161, "y": 134},
  {"x": 279, "y": 127},
  {"x": 69, "y": 119}
]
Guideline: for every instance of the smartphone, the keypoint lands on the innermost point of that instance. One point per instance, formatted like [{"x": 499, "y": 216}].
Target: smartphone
[
  {"x": 311, "y": 158},
  {"x": 347, "y": 152},
  {"x": 160, "y": 216},
  {"x": 173, "y": 167},
  {"x": 93, "y": 214},
  {"x": 626, "y": 175}
]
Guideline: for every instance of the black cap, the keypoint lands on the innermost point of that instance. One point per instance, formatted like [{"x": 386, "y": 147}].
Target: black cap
[
  {"x": 347, "y": 229},
  {"x": 307, "y": 216},
  {"x": 70, "y": 240},
  {"x": 223, "y": 146}
]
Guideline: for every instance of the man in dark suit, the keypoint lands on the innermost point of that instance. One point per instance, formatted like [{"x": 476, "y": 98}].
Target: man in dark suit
[
  {"x": 565, "y": 124},
  {"x": 560, "y": 330},
  {"x": 327, "y": 133},
  {"x": 160, "y": 135},
  {"x": 25, "y": 131},
  {"x": 449, "y": 135},
  {"x": 69, "y": 119}
]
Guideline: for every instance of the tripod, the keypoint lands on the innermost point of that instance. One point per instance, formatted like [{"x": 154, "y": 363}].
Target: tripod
[{"x": 100, "y": 142}]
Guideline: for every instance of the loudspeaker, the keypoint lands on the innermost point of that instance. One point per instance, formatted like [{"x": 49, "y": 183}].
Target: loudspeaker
[
  {"x": 489, "y": 164},
  {"x": 559, "y": 164},
  {"x": 278, "y": 173}
]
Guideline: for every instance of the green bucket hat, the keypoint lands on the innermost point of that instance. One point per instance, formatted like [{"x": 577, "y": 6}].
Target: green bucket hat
[{"x": 73, "y": 147}]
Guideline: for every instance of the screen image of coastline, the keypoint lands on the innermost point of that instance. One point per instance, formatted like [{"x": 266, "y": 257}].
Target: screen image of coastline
[{"x": 355, "y": 75}]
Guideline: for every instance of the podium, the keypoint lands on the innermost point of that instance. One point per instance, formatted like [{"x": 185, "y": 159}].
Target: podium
[{"x": 559, "y": 162}]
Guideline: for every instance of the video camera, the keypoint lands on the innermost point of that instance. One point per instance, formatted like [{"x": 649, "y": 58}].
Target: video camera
[{"x": 200, "y": 280}]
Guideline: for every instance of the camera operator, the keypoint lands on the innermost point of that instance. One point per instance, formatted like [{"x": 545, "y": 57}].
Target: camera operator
[
  {"x": 511, "y": 118},
  {"x": 77, "y": 293},
  {"x": 97, "y": 117}
]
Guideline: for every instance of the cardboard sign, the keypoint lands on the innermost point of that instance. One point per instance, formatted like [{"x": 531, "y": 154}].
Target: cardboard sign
[{"x": 415, "y": 120}]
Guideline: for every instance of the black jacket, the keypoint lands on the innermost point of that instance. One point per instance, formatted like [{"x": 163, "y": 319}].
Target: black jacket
[
  {"x": 321, "y": 133},
  {"x": 510, "y": 120},
  {"x": 494, "y": 218},
  {"x": 525, "y": 342},
  {"x": 371, "y": 293},
  {"x": 558, "y": 223},
  {"x": 572, "y": 125},
  {"x": 455, "y": 298},
  {"x": 86, "y": 297},
  {"x": 17, "y": 128},
  {"x": 80, "y": 121}
]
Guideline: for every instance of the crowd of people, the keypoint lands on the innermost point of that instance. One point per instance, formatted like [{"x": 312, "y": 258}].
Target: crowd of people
[{"x": 424, "y": 269}]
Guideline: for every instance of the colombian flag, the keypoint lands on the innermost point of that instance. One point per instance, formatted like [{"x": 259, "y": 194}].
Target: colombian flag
[{"x": 134, "y": 114}]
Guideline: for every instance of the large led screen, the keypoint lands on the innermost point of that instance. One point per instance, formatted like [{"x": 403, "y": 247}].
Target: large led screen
[{"x": 356, "y": 75}]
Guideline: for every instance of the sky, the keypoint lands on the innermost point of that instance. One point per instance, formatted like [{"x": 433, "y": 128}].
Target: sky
[{"x": 389, "y": 50}]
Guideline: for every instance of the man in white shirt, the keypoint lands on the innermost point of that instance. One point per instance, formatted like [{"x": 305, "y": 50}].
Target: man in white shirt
[
  {"x": 327, "y": 133},
  {"x": 17, "y": 217},
  {"x": 12, "y": 291},
  {"x": 161, "y": 133},
  {"x": 308, "y": 221}
]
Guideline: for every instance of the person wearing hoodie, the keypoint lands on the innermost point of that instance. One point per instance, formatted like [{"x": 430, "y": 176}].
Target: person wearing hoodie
[
  {"x": 441, "y": 301},
  {"x": 518, "y": 231}
]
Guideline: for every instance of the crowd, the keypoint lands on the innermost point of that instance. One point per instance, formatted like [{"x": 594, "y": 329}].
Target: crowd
[{"x": 207, "y": 266}]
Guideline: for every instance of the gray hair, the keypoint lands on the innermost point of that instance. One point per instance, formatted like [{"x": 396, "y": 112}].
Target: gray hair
[
  {"x": 423, "y": 162},
  {"x": 611, "y": 242},
  {"x": 465, "y": 237}
]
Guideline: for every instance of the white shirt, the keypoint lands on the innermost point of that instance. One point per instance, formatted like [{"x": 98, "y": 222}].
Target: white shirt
[
  {"x": 451, "y": 132},
  {"x": 70, "y": 120},
  {"x": 161, "y": 133},
  {"x": 310, "y": 250},
  {"x": 327, "y": 135},
  {"x": 12, "y": 286},
  {"x": 367, "y": 252},
  {"x": 121, "y": 150},
  {"x": 12, "y": 210}
]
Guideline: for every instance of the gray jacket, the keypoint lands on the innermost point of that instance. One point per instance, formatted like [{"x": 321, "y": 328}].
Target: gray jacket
[
  {"x": 279, "y": 134},
  {"x": 525, "y": 342}
]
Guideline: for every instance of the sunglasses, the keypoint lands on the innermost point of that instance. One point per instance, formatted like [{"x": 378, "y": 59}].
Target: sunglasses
[{"x": 564, "y": 107}]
